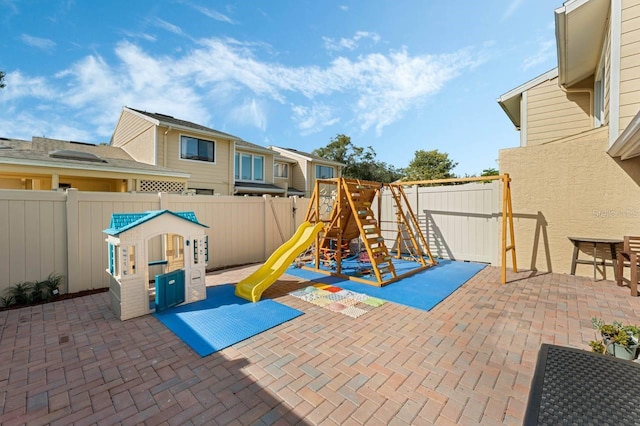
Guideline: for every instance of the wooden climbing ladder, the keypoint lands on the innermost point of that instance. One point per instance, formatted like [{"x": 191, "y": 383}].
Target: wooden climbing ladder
[
  {"x": 408, "y": 229},
  {"x": 352, "y": 217}
]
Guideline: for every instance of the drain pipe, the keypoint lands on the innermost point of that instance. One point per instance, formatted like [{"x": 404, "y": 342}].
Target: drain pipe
[
  {"x": 164, "y": 148},
  {"x": 590, "y": 92}
]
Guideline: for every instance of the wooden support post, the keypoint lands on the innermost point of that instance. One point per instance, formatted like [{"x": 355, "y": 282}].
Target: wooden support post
[{"x": 507, "y": 215}]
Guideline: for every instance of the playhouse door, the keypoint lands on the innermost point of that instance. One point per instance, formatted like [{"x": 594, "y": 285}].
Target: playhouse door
[{"x": 169, "y": 289}]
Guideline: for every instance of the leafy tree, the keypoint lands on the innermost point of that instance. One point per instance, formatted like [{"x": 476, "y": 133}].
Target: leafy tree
[
  {"x": 2, "y": 83},
  {"x": 490, "y": 172},
  {"x": 360, "y": 163},
  {"x": 428, "y": 165}
]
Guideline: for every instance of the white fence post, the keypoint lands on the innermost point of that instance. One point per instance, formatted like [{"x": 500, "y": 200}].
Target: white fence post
[{"x": 73, "y": 242}]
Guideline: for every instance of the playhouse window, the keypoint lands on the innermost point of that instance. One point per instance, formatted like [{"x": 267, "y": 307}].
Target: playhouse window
[
  {"x": 177, "y": 247},
  {"x": 112, "y": 260},
  {"x": 117, "y": 269},
  {"x": 125, "y": 260}
]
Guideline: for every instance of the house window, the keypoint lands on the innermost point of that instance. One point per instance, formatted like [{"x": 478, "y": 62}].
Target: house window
[
  {"x": 281, "y": 170},
  {"x": 197, "y": 149},
  {"x": 324, "y": 172},
  {"x": 249, "y": 167}
]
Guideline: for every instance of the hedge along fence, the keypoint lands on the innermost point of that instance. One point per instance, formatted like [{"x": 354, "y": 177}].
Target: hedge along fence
[{"x": 43, "y": 231}]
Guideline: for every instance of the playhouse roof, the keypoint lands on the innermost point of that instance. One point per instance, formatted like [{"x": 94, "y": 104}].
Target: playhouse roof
[{"x": 121, "y": 222}]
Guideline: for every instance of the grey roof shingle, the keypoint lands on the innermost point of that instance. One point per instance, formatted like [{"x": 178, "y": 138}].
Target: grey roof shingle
[
  {"x": 167, "y": 119},
  {"x": 39, "y": 150}
]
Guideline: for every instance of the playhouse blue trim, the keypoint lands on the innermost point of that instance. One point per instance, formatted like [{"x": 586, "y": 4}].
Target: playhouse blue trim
[{"x": 121, "y": 222}]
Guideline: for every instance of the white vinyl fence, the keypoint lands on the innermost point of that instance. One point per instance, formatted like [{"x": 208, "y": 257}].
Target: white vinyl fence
[
  {"x": 460, "y": 222},
  {"x": 61, "y": 232}
]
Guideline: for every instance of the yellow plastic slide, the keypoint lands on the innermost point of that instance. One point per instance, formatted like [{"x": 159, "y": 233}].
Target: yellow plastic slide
[{"x": 252, "y": 287}]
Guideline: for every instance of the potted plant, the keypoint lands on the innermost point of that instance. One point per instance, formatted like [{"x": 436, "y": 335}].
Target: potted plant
[{"x": 618, "y": 340}]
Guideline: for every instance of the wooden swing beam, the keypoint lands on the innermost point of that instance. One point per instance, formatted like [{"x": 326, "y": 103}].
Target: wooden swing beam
[{"x": 507, "y": 212}]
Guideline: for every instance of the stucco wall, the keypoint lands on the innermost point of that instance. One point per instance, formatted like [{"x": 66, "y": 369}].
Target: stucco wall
[{"x": 571, "y": 187}]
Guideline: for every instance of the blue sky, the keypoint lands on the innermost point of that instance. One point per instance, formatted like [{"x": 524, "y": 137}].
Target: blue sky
[{"x": 395, "y": 75}]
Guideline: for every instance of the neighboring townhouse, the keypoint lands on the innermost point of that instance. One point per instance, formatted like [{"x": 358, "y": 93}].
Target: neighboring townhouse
[
  {"x": 283, "y": 174},
  {"x": 577, "y": 170},
  {"x": 219, "y": 163},
  {"x": 50, "y": 164},
  {"x": 162, "y": 140},
  {"x": 254, "y": 170},
  {"x": 309, "y": 167}
]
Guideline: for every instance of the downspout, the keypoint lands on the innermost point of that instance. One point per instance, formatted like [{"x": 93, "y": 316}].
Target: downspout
[
  {"x": 164, "y": 147},
  {"x": 231, "y": 175},
  {"x": 590, "y": 92}
]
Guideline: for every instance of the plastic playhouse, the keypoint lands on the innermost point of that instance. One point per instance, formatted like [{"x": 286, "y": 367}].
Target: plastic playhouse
[{"x": 140, "y": 243}]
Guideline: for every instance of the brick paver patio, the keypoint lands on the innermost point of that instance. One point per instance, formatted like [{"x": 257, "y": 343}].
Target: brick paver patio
[{"x": 468, "y": 361}]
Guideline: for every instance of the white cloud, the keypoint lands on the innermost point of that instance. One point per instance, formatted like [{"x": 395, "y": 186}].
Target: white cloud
[
  {"x": 168, "y": 26},
  {"x": 312, "y": 119},
  {"x": 20, "y": 86},
  {"x": 38, "y": 42},
  {"x": 546, "y": 52},
  {"x": 213, "y": 14},
  {"x": 25, "y": 125},
  {"x": 144, "y": 36},
  {"x": 343, "y": 8},
  {"x": 373, "y": 90},
  {"x": 250, "y": 113},
  {"x": 349, "y": 43}
]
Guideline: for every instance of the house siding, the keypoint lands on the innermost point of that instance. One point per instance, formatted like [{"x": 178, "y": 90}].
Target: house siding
[
  {"x": 299, "y": 177},
  {"x": 136, "y": 136},
  {"x": 629, "y": 62},
  {"x": 204, "y": 175},
  {"x": 553, "y": 114}
]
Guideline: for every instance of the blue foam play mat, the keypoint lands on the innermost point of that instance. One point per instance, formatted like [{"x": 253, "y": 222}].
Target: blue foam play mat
[
  {"x": 223, "y": 319},
  {"x": 423, "y": 290}
]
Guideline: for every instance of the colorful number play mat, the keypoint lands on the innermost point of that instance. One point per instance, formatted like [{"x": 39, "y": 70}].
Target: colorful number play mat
[{"x": 336, "y": 299}]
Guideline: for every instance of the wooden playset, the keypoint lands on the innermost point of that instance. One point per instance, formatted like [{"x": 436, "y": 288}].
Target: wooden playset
[
  {"x": 346, "y": 207},
  {"x": 351, "y": 210}
]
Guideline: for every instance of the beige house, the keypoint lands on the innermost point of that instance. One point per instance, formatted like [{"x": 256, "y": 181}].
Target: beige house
[
  {"x": 254, "y": 168},
  {"x": 283, "y": 172},
  {"x": 308, "y": 168},
  {"x": 577, "y": 170},
  {"x": 50, "y": 164},
  {"x": 219, "y": 163}
]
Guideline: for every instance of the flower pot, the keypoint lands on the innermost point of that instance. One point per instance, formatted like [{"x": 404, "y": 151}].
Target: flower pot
[{"x": 622, "y": 352}]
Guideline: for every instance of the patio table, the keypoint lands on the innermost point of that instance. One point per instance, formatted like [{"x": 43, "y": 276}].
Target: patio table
[
  {"x": 612, "y": 243},
  {"x": 577, "y": 387}
]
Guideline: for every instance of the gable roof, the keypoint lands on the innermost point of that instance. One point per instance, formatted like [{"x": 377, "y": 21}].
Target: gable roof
[
  {"x": 176, "y": 123},
  {"x": 121, "y": 222},
  {"x": 242, "y": 144},
  {"x": 580, "y": 32},
  {"x": 305, "y": 155},
  {"x": 41, "y": 152},
  {"x": 510, "y": 101}
]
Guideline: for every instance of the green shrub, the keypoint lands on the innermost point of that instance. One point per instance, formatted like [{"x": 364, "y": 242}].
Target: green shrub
[
  {"x": 21, "y": 293},
  {"x": 25, "y": 293}
]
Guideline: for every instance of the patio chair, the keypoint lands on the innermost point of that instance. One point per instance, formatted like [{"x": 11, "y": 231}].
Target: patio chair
[{"x": 629, "y": 257}]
